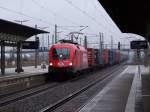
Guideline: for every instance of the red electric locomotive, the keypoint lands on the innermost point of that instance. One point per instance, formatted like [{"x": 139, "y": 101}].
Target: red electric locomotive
[{"x": 67, "y": 57}]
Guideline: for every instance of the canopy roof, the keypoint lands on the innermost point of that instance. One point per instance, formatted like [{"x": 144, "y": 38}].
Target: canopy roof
[
  {"x": 131, "y": 16},
  {"x": 10, "y": 28}
]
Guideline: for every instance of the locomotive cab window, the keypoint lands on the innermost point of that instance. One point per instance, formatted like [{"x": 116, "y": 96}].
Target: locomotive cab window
[{"x": 61, "y": 53}]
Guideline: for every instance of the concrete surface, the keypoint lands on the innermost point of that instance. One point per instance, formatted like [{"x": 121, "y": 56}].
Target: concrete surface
[
  {"x": 146, "y": 92},
  {"x": 118, "y": 96},
  {"x": 27, "y": 70},
  {"x": 13, "y": 81}
]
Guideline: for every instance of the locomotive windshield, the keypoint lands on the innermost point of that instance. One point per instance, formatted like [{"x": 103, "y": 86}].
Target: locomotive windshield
[{"x": 61, "y": 53}]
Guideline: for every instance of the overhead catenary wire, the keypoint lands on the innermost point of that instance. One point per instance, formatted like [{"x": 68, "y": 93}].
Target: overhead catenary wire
[
  {"x": 85, "y": 13},
  {"x": 26, "y": 15},
  {"x": 53, "y": 13},
  {"x": 48, "y": 22},
  {"x": 102, "y": 15},
  {"x": 31, "y": 17},
  {"x": 23, "y": 14},
  {"x": 111, "y": 22}
]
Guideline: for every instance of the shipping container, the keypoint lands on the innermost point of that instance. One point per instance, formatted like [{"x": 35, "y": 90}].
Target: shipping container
[
  {"x": 96, "y": 57},
  {"x": 100, "y": 59},
  {"x": 110, "y": 57},
  {"x": 90, "y": 52},
  {"x": 105, "y": 56}
]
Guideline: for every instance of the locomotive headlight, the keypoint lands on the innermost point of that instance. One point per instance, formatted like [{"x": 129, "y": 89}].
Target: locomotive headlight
[
  {"x": 70, "y": 64},
  {"x": 51, "y": 64}
]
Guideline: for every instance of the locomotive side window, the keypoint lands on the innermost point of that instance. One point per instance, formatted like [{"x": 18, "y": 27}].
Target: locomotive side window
[{"x": 63, "y": 53}]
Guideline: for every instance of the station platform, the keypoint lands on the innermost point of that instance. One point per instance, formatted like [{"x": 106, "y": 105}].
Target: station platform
[
  {"x": 122, "y": 94},
  {"x": 30, "y": 70},
  {"x": 12, "y": 81}
]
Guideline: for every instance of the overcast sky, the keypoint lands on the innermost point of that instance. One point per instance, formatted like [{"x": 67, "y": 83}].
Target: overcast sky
[{"x": 47, "y": 13}]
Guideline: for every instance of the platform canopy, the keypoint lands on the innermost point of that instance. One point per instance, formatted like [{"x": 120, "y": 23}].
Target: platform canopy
[
  {"x": 10, "y": 30},
  {"x": 131, "y": 16}
]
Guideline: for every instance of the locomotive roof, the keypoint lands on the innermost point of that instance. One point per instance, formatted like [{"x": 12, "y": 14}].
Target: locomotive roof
[
  {"x": 67, "y": 41},
  {"x": 75, "y": 46}
]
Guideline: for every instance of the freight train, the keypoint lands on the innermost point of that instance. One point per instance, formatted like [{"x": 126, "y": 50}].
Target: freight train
[{"x": 67, "y": 57}]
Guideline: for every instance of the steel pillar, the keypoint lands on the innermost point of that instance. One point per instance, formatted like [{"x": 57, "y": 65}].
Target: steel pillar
[
  {"x": 71, "y": 37},
  {"x": 85, "y": 42},
  {"x": 36, "y": 53},
  {"x": 55, "y": 33},
  {"x": 2, "y": 57},
  {"x": 19, "y": 60}
]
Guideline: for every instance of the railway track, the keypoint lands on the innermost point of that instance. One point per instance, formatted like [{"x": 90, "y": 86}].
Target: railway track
[
  {"x": 6, "y": 100},
  {"x": 10, "y": 98},
  {"x": 68, "y": 98}
]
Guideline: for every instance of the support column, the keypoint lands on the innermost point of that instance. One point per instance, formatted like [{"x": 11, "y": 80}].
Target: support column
[
  {"x": 100, "y": 41},
  {"x": 55, "y": 33},
  {"x": 71, "y": 37},
  {"x": 80, "y": 41},
  {"x": 36, "y": 51},
  {"x": 53, "y": 41},
  {"x": 2, "y": 57},
  {"x": 85, "y": 42},
  {"x": 19, "y": 60}
]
